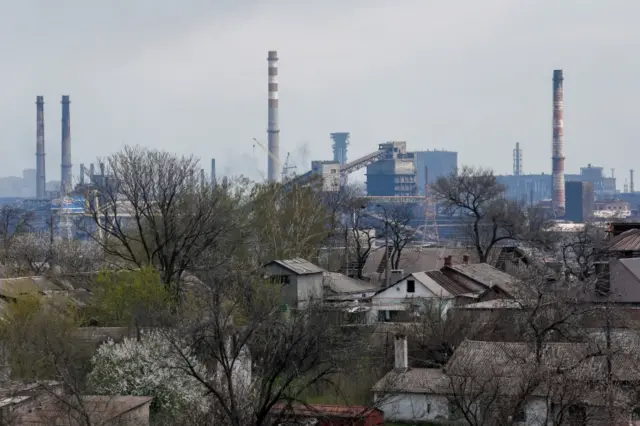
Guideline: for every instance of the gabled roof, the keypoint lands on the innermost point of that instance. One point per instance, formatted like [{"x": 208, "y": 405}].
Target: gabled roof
[
  {"x": 340, "y": 284},
  {"x": 489, "y": 276},
  {"x": 436, "y": 282},
  {"x": 299, "y": 266}
]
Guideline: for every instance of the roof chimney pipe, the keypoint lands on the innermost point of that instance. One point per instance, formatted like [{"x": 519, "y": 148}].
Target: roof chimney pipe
[
  {"x": 66, "y": 173},
  {"x": 273, "y": 129},
  {"x": 557, "y": 162},
  {"x": 41, "y": 180}
]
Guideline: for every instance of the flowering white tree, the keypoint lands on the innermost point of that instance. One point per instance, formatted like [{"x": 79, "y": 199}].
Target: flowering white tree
[{"x": 153, "y": 367}]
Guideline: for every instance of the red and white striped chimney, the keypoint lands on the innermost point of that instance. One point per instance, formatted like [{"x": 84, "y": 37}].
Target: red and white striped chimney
[
  {"x": 557, "y": 161},
  {"x": 273, "y": 129}
]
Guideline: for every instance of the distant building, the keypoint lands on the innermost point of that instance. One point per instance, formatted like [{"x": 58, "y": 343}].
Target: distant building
[
  {"x": 439, "y": 163},
  {"x": 603, "y": 187},
  {"x": 528, "y": 188},
  {"x": 330, "y": 172},
  {"x": 579, "y": 201},
  {"x": 394, "y": 175}
]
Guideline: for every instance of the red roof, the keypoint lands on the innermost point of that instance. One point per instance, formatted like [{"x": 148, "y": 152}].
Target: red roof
[{"x": 322, "y": 410}]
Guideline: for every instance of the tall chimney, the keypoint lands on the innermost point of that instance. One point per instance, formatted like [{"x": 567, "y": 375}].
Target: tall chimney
[
  {"x": 401, "y": 358},
  {"x": 558, "y": 198},
  {"x": 631, "y": 188},
  {"x": 81, "y": 174},
  {"x": 65, "y": 177},
  {"x": 92, "y": 172},
  {"x": 202, "y": 178},
  {"x": 517, "y": 160},
  {"x": 273, "y": 130},
  {"x": 41, "y": 180},
  {"x": 213, "y": 171},
  {"x": 102, "y": 170}
]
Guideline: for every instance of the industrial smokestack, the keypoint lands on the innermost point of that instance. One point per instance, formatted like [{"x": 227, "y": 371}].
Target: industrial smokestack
[
  {"x": 558, "y": 198},
  {"x": 102, "y": 170},
  {"x": 273, "y": 130},
  {"x": 213, "y": 171},
  {"x": 81, "y": 174},
  {"x": 631, "y": 187},
  {"x": 517, "y": 160},
  {"x": 202, "y": 178},
  {"x": 92, "y": 172},
  {"x": 65, "y": 177},
  {"x": 41, "y": 180}
]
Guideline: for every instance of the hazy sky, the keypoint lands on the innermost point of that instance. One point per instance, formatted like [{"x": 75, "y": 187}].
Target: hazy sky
[{"x": 191, "y": 77}]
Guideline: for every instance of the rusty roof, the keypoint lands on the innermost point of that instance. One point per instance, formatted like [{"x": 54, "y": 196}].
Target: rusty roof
[
  {"x": 627, "y": 241},
  {"x": 324, "y": 410}
]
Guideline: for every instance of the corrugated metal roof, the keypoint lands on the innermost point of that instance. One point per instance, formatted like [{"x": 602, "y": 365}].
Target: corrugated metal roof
[
  {"x": 300, "y": 266},
  {"x": 490, "y": 276},
  {"x": 627, "y": 241},
  {"x": 448, "y": 284}
]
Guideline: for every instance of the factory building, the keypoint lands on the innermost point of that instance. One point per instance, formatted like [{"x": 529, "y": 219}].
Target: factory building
[
  {"x": 394, "y": 174},
  {"x": 604, "y": 187},
  {"x": 528, "y": 188},
  {"x": 330, "y": 172},
  {"x": 579, "y": 203},
  {"x": 438, "y": 163}
]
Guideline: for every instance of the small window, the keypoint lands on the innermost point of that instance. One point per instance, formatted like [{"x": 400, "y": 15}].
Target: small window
[
  {"x": 520, "y": 417},
  {"x": 428, "y": 408},
  {"x": 411, "y": 286}
]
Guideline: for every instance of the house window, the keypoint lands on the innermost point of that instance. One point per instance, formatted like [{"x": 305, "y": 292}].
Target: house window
[
  {"x": 520, "y": 417},
  {"x": 281, "y": 279},
  {"x": 577, "y": 415},
  {"x": 411, "y": 286},
  {"x": 454, "y": 410},
  {"x": 428, "y": 408}
]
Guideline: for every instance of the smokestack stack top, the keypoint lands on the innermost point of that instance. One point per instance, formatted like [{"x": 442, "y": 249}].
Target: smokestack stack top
[
  {"x": 273, "y": 55},
  {"x": 39, "y": 99},
  {"x": 65, "y": 99},
  {"x": 557, "y": 75}
]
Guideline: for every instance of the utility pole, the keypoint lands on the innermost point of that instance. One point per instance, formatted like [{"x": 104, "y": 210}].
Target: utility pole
[{"x": 387, "y": 270}]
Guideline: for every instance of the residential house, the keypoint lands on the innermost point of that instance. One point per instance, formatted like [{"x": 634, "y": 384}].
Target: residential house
[
  {"x": 301, "y": 280},
  {"x": 43, "y": 403},
  {"x": 488, "y": 281},
  {"x": 415, "y": 291},
  {"x": 503, "y": 381}
]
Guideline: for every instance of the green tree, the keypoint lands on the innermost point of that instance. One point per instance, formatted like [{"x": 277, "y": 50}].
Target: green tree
[{"x": 131, "y": 298}]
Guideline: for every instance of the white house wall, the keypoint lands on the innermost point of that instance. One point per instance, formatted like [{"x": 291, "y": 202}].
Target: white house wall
[
  {"x": 397, "y": 293},
  {"x": 413, "y": 407}
]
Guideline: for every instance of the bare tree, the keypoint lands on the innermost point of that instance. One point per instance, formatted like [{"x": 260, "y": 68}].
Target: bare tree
[
  {"x": 396, "y": 228},
  {"x": 14, "y": 220},
  {"x": 476, "y": 195},
  {"x": 149, "y": 210}
]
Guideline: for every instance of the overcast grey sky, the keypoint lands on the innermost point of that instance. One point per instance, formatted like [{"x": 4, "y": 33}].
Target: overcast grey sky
[{"x": 472, "y": 76}]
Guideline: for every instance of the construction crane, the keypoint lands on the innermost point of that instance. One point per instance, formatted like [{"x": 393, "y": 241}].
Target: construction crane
[
  {"x": 269, "y": 153},
  {"x": 286, "y": 167}
]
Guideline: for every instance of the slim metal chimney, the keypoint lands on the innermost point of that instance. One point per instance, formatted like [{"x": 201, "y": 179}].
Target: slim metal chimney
[
  {"x": 273, "y": 130},
  {"x": 517, "y": 160},
  {"x": 66, "y": 172},
  {"x": 213, "y": 171},
  {"x": 81, "y": 174},
  {"x": 41, "y": 180},
  {"x": 92, "y": 172},
  {"x": 631, "y": 187},
  {"x": 558, "y": 197}
]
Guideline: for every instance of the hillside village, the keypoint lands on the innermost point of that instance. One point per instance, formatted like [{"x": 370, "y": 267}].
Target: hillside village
[{"x": 230, "y": 304}]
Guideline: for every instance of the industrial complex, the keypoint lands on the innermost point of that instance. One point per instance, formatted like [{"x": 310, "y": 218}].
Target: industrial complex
[{"x": 394, "y": 172}]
